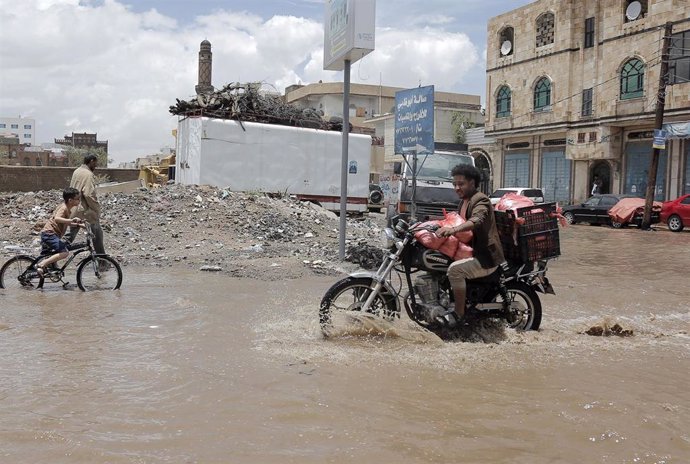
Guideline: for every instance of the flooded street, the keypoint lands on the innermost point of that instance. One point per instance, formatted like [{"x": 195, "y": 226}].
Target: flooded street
[{"x": 184, "y": 367}]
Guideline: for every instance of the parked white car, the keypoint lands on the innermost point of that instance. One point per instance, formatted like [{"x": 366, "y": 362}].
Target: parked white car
[{"x": 534, "y": 194}]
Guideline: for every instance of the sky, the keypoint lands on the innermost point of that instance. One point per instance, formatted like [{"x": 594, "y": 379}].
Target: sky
[{"x": 115, "y": 66}]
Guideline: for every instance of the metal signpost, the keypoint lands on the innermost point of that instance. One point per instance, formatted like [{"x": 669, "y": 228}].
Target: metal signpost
[
  {"x": 414, "y": 129},
  {"x": 348, "y": 36}
]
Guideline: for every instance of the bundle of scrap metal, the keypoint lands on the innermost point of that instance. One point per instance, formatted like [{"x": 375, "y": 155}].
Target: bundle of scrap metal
[{"x": 244, "y": 102}]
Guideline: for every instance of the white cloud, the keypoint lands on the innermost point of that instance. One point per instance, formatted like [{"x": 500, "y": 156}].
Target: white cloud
[{"x": 77, "y": 66}]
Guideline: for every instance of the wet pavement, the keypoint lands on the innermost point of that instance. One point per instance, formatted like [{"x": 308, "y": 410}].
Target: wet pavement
[{"x": 184, "y": 366}]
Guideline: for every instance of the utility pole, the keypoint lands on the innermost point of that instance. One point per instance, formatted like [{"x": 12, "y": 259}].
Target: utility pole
[{"x": 658, "y": 124}]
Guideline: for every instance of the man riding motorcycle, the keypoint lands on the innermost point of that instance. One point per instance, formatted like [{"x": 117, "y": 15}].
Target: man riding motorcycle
[{"x": 476, "y": 209}]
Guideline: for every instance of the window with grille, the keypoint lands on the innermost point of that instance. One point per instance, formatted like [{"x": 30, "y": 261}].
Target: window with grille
[
  {"x": 632, "y": 79},
  {"x": 679, "y": 58},
  {"x": 503, "y": 102},
  {"x": 589, "y": 32},
  {"x": 581, "y": 137},
  {"x": 545, "y": 29},
  {"x": 592, "y": 137},
  {"x": 587, "y": 102},
  {"x": 542, "y": 95}
]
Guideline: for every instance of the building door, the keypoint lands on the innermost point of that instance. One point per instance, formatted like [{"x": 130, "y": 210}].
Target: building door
[
  {"x": 601, "y": 172},
  {"x": 555, "y": 176},
  {"x": 516, "y": 170},
  {"x": 482, "y": 163},
  {"x": 638, "y": 156}
]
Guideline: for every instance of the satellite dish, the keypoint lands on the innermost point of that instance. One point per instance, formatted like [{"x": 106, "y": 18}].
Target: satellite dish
[
  {"x": 506, "y": 47},
  {"x": 633, "y": 11}
]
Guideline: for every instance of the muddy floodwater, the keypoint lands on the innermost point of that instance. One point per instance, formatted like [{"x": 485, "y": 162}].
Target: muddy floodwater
[{"x": 182, "y": 366}]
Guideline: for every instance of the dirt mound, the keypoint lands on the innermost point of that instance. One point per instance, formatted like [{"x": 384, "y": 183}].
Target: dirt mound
[{"x": 245, "y": 234}]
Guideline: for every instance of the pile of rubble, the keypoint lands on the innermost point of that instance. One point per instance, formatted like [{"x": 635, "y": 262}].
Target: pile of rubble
[
  {"x": 244, "y": 102},
  {"x": 239, "y": 233}
]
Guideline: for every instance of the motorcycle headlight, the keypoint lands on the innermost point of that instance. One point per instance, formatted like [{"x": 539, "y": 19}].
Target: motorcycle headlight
[{"x": 388, "y": 238}]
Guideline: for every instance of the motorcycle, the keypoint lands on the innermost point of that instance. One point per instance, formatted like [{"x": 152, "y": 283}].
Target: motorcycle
[{"x": 509, "y": 294}]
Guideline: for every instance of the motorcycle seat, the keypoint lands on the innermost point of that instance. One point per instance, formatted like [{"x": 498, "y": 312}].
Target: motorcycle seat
[{"x": 492, "y": 278}]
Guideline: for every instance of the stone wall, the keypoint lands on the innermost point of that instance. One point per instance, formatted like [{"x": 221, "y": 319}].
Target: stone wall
[{"x": 30, "y": 178}]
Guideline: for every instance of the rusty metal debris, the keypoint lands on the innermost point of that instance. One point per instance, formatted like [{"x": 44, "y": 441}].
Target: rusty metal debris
[{"x": 245, "y": 102}]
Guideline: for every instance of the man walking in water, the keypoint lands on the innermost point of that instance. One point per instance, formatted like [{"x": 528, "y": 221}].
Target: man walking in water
[
  {"x": 84, "y": 180},
  {"x": 476, "y": 209}
]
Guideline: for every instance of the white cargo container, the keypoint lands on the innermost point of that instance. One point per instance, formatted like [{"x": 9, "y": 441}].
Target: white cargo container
[{"x": 272, "y": 158}]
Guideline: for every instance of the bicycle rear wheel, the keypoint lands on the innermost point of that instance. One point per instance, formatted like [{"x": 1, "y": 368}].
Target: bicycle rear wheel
[
  {"x": 15, "y": 273},
  {"x": 99, "y": 273}
]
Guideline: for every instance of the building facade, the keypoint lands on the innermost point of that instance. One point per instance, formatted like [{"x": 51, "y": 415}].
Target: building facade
[
  {"x": 572, "y": 92},
  {"x": 22, "y": 128},
  {"x": 83, "y": 140},
  {"x": 373, "y": 107}
]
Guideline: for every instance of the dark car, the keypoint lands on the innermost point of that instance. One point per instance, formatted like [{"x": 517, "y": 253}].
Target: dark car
[
  {"x": 676, "y": 213},
  {"x": 596, "y": 211}
]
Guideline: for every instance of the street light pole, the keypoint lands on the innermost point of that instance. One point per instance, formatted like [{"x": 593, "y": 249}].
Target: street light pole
[{"x": 343, "y": 167}]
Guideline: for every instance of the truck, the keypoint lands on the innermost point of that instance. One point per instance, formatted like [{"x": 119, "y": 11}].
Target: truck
[
  {"x": 285, "y": 160},
  {"x": 434, "y": 191}
]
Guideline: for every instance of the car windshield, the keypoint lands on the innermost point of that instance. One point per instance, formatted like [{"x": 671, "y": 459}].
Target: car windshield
[
  {"x": 500, "y": 192},
  {"x": 533, "y": 193},
  {"x": 439, "y": 165}
]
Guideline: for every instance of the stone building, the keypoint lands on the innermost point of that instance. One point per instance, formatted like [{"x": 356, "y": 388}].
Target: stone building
[
  {"x": 83, "y": 140},
  {"x": 572, "y": 92},
  {"x": 26, "y": 155}
]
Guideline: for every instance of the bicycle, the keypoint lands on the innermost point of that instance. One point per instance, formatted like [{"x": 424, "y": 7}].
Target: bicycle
[{"x": 94, "y": 272}]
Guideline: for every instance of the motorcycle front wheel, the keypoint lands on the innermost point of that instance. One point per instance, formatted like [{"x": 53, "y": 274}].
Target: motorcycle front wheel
[
  {"x": 525, "y": 305},
  {"x": 348, "y": 296}
]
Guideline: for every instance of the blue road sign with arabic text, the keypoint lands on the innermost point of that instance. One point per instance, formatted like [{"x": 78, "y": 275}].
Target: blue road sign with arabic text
[{"x": 414, "y": 120}]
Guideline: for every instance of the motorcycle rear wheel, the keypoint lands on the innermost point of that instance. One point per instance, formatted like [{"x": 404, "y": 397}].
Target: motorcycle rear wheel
[
  {"x": 526, "y": 301},
  {"x": 348, "y": 295}
]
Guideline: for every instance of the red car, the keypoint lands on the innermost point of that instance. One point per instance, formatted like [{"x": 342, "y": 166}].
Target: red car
[{"x": 676, "y": 213}]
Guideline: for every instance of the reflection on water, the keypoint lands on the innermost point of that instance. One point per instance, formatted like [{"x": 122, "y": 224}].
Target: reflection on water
[{"x": 182, "y": 366}]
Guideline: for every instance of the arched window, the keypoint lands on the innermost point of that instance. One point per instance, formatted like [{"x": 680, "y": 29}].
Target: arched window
[
  {"x": 503, "y": 102},
  {"x": 506, "y": 41},
  {"x": 27, "y": 161},
  {"x": 545, "y": 29},
  {"x": 52, "y": 162},
  {"x": 632, "y": 79},
  {"x": 542, "y": 95},
  {"x": 38, "y": 162}
]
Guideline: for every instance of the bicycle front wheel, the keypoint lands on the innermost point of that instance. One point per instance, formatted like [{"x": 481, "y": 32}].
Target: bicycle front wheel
[
  {"x": 99, "y": 273},
  {"x": 15, "y": 273}
]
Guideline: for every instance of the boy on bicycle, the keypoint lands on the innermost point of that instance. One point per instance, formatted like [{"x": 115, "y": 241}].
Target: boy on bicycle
[{"x": 55, "y": 228}]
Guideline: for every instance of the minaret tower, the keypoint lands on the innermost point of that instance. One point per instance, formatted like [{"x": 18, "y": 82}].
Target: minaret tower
[{"x": 205, "y": 63}]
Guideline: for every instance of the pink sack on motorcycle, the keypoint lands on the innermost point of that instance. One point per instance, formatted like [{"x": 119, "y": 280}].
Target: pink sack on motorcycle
[
  {"x": 449, "y": 247},
  {"x": 428, "y": 238},
  {"x": 453, "y": 219},
  {"x": 463, "y": 252},
  {"x": 512, "y": 201}
]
